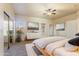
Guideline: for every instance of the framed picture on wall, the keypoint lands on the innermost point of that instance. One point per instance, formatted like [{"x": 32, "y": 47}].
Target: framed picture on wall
[
  {"x": 33, "y": 26},
  {"x": 60, "y": 27}
]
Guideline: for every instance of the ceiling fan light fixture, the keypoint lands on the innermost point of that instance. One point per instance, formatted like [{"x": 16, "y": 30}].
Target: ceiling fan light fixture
[
  {"x": 54, "y": 10},
  {"x": 50, "y": 12}
]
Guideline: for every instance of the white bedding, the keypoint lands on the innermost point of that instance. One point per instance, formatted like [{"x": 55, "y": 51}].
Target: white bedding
[
  {"x": 51, "y": 47},
  {"x": 70, "y": 47},
  {"x": 63, "y": 52},
  {"x": 43, "y": 42}
]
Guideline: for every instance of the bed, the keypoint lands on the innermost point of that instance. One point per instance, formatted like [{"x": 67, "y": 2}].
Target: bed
[
  {"x": 64, "y": 48},
  {"x": 43, "y": 42},
  {"x": 57, "y": 46}
]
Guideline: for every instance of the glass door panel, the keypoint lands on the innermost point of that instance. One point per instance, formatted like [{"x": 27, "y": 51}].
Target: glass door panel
[{"x": 8, "y": 30}]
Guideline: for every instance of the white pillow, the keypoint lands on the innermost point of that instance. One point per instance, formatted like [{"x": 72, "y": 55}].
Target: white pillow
[{"x": 71, "y": 47}]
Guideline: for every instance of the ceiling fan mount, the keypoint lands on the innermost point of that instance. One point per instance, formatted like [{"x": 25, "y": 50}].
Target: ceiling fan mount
[{"x": 51, "y": 10}]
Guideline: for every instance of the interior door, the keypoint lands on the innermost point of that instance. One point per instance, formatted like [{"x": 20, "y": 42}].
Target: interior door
[
  {"x": 51, "y": 30},
  {"x": 43, "y": 29}
]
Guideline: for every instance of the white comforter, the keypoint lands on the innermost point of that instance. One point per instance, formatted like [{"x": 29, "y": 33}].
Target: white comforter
[
  {"x": 63, "y": 52},
  {"x": 43, "y": 42},
  {"x": 58, "y": 48},
  {"x": 51, "y": 47}
]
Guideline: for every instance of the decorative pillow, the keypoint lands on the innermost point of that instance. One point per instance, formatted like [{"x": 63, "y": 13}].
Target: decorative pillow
[
  {"x": 74, "y": 41},
  {"x": 70, "y": 47}
]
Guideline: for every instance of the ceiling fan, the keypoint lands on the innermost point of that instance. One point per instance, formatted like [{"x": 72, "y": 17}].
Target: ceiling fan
[{"x": 49, "y": 12}]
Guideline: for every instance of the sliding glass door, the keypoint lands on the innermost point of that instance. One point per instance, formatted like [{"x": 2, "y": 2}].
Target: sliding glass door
[{"x": 8, "y": 30}]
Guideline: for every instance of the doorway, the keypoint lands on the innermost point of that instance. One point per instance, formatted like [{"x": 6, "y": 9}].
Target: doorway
[
  {"x": 51, "y": 29},
  {"x": 8, "y": 31}
]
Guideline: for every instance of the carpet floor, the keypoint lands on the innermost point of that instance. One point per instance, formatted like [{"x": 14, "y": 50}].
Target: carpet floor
[
  {"x": 32, "y": 50},
  {"x": 17, "y": 49}
]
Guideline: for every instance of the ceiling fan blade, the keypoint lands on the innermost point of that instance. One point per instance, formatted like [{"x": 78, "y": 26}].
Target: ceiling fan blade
[
  {"x": 54, "y": 13},
  {"x": 54, "y": 10}
]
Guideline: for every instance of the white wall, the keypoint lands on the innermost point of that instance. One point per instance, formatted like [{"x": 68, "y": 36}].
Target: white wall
[
  {"x": 1, "y": 30},
  {"x": 38, "y": 20},
  {"x": 70, "y": 25},
  {"x": 71, "y": 28},
  {"x": 78, "y": 21}
]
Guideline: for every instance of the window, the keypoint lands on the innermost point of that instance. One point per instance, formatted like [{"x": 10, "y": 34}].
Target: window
[{"x": 60, "y": 27}]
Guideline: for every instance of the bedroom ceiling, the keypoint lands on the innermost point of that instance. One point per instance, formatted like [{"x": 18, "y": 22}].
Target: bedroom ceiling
[{"x": 37, "y": 9}]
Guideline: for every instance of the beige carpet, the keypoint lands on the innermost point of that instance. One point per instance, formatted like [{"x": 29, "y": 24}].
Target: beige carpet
[
  {"x": 32, "y": 50},
  {"x": 17, "y": 49}
]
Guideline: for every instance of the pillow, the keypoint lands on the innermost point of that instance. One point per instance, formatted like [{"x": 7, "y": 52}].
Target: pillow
[
  {"x": 74, "y": 41},
  {"x": 71, "y": 47}
]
